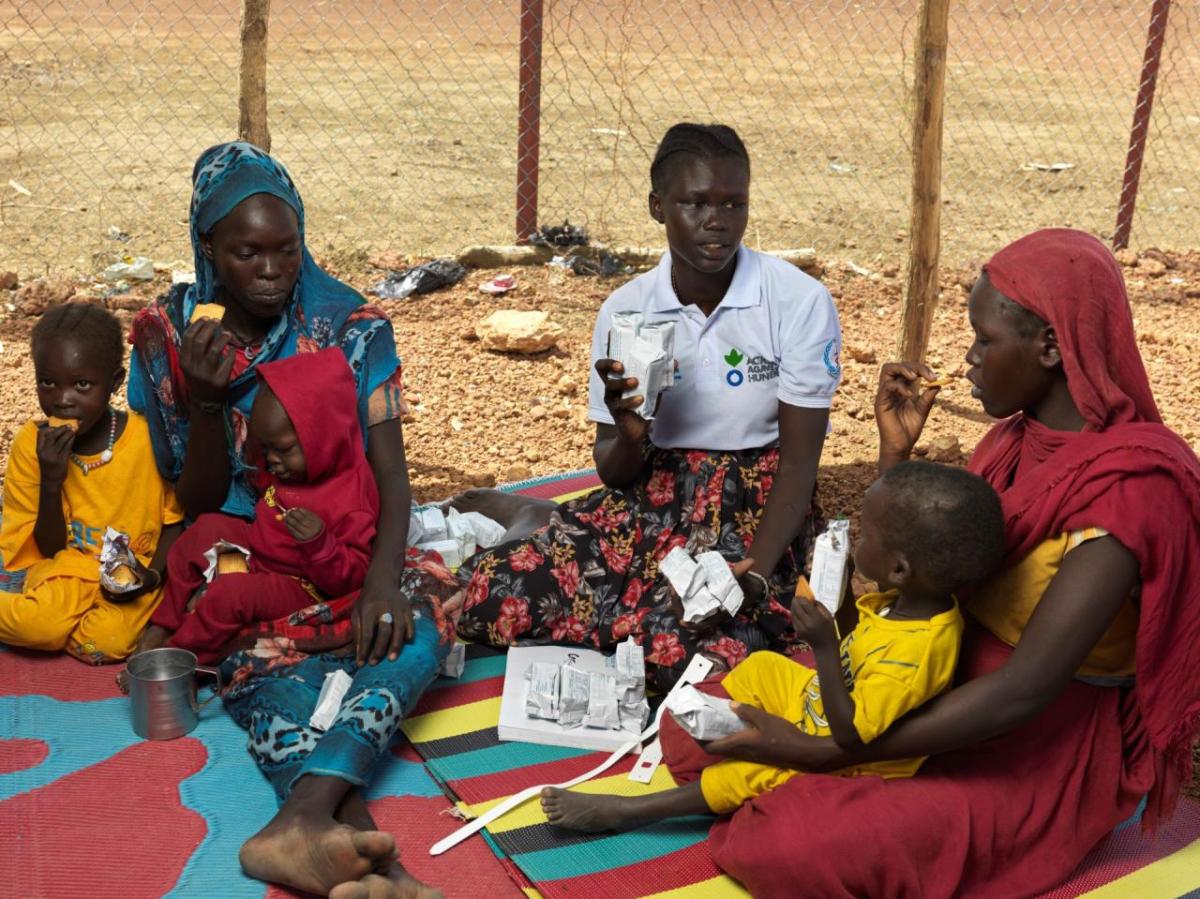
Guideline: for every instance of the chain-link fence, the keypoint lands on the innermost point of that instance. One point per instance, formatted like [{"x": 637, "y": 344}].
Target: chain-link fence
[{"x": 399, "y": 119}]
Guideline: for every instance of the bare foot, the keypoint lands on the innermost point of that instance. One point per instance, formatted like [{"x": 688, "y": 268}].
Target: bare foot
[
  {"x": 315, "y": 853},
  {"x": 353, "y": 811},
  {"x": 152, "y": 637},
  {"x": 508, "y": 509},
  {"x": 395, "y": 884},
  {"x": 586, "y": 812}
]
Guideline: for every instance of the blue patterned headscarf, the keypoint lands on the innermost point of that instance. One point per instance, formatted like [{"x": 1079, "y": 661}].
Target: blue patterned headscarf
[{"x": 323, "y": 312}]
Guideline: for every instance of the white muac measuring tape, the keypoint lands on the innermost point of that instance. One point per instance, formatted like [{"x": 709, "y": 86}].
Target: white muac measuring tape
[{"x": 642, "y": 772}]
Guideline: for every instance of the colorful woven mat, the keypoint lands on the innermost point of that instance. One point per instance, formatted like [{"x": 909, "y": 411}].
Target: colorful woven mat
[
  {"x": 86, "y": 808},
  {"x": 454, "y": 729}
]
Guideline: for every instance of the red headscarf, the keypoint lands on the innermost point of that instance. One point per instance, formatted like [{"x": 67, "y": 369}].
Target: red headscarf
[{"x": 1125, "y": 472}]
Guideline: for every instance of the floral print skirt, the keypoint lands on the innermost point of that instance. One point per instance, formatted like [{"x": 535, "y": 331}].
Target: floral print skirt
[{"x": 591, "y": 575}]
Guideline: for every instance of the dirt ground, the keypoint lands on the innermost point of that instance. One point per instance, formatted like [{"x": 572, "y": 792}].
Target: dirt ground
[
  {"x": 398, "y": 120},
  {"x": 480, "y": 418}
]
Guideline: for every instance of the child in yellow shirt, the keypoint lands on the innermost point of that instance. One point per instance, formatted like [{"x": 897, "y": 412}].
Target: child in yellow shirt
[
  {"x": 926, "y": 531},
  {"x": 89, "y": 468}
]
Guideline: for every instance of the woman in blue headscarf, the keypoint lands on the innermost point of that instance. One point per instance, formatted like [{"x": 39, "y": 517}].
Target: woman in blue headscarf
[{"x": 194, "y": 378}]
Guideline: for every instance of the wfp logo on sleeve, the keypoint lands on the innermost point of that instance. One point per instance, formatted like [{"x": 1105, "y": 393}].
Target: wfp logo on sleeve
[{"x": 832, "y": 357}]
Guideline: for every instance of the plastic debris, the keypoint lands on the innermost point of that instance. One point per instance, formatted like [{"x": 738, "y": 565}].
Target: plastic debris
[
  {"x": 564, "y": 235},
  {"x": 419, "y": 279},
  {"x": 1047, "y": 166},
  {"x": 498, "y": 285},
  {"x": 139, "y": 269}
]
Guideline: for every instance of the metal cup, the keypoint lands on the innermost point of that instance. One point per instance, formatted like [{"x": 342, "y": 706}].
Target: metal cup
[{"x": 162, "y": 692}]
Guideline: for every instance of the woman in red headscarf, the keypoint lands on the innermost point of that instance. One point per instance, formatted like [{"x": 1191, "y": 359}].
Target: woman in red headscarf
[{"x": 1079, "y": 692}]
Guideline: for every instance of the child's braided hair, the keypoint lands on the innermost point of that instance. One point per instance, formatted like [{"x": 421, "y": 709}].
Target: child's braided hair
[{"x": 89, "y": 324}]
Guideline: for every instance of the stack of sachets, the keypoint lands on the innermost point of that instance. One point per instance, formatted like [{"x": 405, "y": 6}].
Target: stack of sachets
[
  {"x": 608, "y": 700},
  {"x": 704, "y": 584},
  {"x": 646, "y": 350},
  {"x": 454, "y": 535}
]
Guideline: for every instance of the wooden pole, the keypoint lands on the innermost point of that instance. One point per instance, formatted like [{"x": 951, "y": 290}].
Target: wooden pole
[
  {"x": 529, "y": 118},
  {"x": 252, "y": 78},
  {"x": 1141, "y": 122},
  {"x": 926, "y": 214}
]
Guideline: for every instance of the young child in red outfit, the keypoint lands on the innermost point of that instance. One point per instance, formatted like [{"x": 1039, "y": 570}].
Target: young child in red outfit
[{"x": 313, "y": 525}]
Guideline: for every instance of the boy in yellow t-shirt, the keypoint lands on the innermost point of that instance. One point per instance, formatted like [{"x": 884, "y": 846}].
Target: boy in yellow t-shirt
[
  {"x": 926, "y": 532},
  {"x": 89, "y": 468}
]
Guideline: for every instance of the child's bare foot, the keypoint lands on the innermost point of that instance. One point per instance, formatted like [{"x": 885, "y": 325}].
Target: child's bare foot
[
  {"x": 395, "y": 884},
  {"x": 315, "y": 853},
  {"x": 586, "y": 812},
  {"x": 153, "y": 637}
]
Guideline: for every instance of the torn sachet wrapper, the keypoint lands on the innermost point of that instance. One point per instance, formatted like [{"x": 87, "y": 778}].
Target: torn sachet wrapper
[
  {"x": 702, "y": 716},
  {"x": 212, "y": 556}
]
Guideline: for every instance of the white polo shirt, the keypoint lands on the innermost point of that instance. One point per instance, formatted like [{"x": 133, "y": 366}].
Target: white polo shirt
[{"x": 774, "y": 337}]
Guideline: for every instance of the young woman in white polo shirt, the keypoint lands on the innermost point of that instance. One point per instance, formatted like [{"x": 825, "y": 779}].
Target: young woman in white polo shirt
[{"x": 728, "y": 462}]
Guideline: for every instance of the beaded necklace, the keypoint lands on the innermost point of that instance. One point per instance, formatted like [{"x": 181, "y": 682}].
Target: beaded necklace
[{"x": 106, "y": 456}]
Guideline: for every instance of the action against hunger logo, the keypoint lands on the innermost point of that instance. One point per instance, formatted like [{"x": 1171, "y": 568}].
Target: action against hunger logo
[{"x": 734, "y": 376}]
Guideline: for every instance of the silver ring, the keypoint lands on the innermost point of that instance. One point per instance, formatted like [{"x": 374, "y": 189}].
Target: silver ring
[{"x": 386, "y": 618}]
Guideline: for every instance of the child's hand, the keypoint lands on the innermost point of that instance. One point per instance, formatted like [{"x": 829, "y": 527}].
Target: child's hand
[
  {"x": 303, "y": 524},
  {"x": 813, "y": 623},
  {"x": 147, "y": 578},
  {"x": 53, "y": 452}
]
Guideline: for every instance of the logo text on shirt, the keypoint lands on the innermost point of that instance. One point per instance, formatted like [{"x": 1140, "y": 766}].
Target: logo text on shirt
[{"x": 760, "y": 368}]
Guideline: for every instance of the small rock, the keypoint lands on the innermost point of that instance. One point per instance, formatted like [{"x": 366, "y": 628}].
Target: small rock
[
  {"x": 567, "y": 386},
  {"x": 8, "y": 281},
  {"x": 862, "y": 354},
  {"x": 944, "y": 449},
  {"x": 511, "y": 331},
  {"x": 1127, "y": 257},
  {"x": 890, "y": 270},
  {"x": 518, "y": 472},
  {"x": 562, "y": 412},
  {"x": 537, "y": 413},
  {"x": 1152, "y": 268},
  {"x": 456, "y": 424},
  {"x": 532, "y": 455},
  {"x": 37, "y": 296},
  {"x": 1192, "y": 293},
  {"x": 921, "y": 449},
  {"x": 854, "y": 410},
  {"x": 469, "y": 335},
  {"x": 482, "y": 479}
]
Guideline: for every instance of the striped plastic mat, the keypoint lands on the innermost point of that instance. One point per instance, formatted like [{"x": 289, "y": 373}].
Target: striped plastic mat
[{"x": 453, "y": 729}]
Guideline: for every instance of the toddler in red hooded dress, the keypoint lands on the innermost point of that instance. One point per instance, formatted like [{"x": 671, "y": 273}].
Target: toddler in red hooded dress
[{"x": 314, "y": 521}]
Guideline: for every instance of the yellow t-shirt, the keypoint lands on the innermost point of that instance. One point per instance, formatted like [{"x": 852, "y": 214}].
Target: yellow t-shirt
[
  {"x": 127, "y": 494},
  {"x": 890, "y": 666},
  {"x": 1005, "y": 605}
]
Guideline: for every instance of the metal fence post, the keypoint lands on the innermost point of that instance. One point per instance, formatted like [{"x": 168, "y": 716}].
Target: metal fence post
[
  {"x": 1159, "y": 11},
  {"x": 529, "y": 118}
]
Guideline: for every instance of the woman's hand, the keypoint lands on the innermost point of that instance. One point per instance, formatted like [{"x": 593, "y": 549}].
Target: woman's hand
[
  {"x": 771, "y": 740},
  {"x": 630, "y": 426},
  {"x": 901, "y": 410},
  {"x": 206, "y": 365},
  {"x": 53, "y": 451},
  {"x": 752, "y": 587},
  {"x": 382, "y": 620}
]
